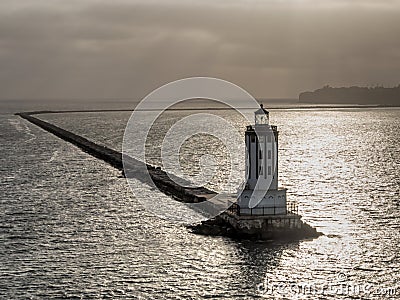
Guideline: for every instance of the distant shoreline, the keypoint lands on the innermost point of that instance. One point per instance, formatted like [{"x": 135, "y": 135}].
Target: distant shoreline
[
  {"x": 353, "y": 95},
  {"x": 211, "y": 108}
]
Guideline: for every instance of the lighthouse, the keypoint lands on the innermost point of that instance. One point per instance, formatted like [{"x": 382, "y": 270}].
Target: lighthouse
[
  {"x": 261, "y": 195},
  {"x": 260, "y": 209}
]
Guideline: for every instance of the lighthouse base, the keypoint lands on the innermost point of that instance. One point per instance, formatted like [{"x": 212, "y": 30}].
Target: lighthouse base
[{"x": 274, "y": 227}]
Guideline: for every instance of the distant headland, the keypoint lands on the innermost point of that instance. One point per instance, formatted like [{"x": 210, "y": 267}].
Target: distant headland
[{"x": 353, "y": 95}]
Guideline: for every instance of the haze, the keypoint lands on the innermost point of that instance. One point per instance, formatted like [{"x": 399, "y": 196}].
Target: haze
[{"x": 124, "y": 49}]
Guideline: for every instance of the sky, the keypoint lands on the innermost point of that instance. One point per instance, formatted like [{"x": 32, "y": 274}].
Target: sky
[{"x": 57, "y": 49}]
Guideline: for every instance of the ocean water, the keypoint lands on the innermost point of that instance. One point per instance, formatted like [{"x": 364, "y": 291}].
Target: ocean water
[{"x": 71, "y": 228}]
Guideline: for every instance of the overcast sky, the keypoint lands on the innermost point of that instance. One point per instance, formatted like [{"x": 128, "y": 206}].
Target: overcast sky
[{"x": 125, "y": 49}]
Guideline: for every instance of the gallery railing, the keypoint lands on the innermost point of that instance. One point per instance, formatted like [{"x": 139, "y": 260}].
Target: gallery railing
[{"x": 290, "y": 208}]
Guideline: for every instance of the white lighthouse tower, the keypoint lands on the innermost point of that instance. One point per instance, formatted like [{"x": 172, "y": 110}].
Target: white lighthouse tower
[
  {"x": 261, "y": 209},
  {"x": 261, "y": 195}
]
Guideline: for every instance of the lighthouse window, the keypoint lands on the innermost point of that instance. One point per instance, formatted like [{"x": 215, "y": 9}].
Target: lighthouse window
[
  {"x": 269, "y": 170},
  {"x": 253, "y": 138},
  {"x": 261, "y": 170},
  {"x": 269, "y": 154},
  {"x": 260, "y": 154}
]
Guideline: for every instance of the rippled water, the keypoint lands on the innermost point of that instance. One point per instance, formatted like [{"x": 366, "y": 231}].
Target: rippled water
[{"x": 69, "y": 226}]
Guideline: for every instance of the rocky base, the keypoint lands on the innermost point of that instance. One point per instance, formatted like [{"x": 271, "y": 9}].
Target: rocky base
[
  {"x": 229, "y": 226},
  {"x": 214, "y": 227}
]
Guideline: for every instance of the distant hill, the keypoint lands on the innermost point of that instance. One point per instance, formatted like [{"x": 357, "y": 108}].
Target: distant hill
[{"x": 353, "y": 95}]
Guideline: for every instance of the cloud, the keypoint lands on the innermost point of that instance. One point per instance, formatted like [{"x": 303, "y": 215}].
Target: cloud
[{"x": 85, "y": 48}]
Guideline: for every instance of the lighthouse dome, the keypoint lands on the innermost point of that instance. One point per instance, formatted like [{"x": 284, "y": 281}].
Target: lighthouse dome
[{"x": 261, "y": 116}]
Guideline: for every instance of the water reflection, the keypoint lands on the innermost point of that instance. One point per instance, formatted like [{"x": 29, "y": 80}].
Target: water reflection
[{"x": 257, "y": 260}]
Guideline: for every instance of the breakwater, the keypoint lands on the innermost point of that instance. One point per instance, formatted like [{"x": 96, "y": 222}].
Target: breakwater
[
  {"x": 229, "y": 223},
  {"x": 159, "y": 177}
]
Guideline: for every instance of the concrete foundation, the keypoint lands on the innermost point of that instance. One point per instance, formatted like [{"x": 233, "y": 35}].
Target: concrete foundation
[{"x": 276, "y": 227}]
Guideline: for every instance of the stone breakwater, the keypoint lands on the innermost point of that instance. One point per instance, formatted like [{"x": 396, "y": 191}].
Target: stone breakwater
[
  {"x": 159, "y": 177},
  {"x": 226, "y": 224}
]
